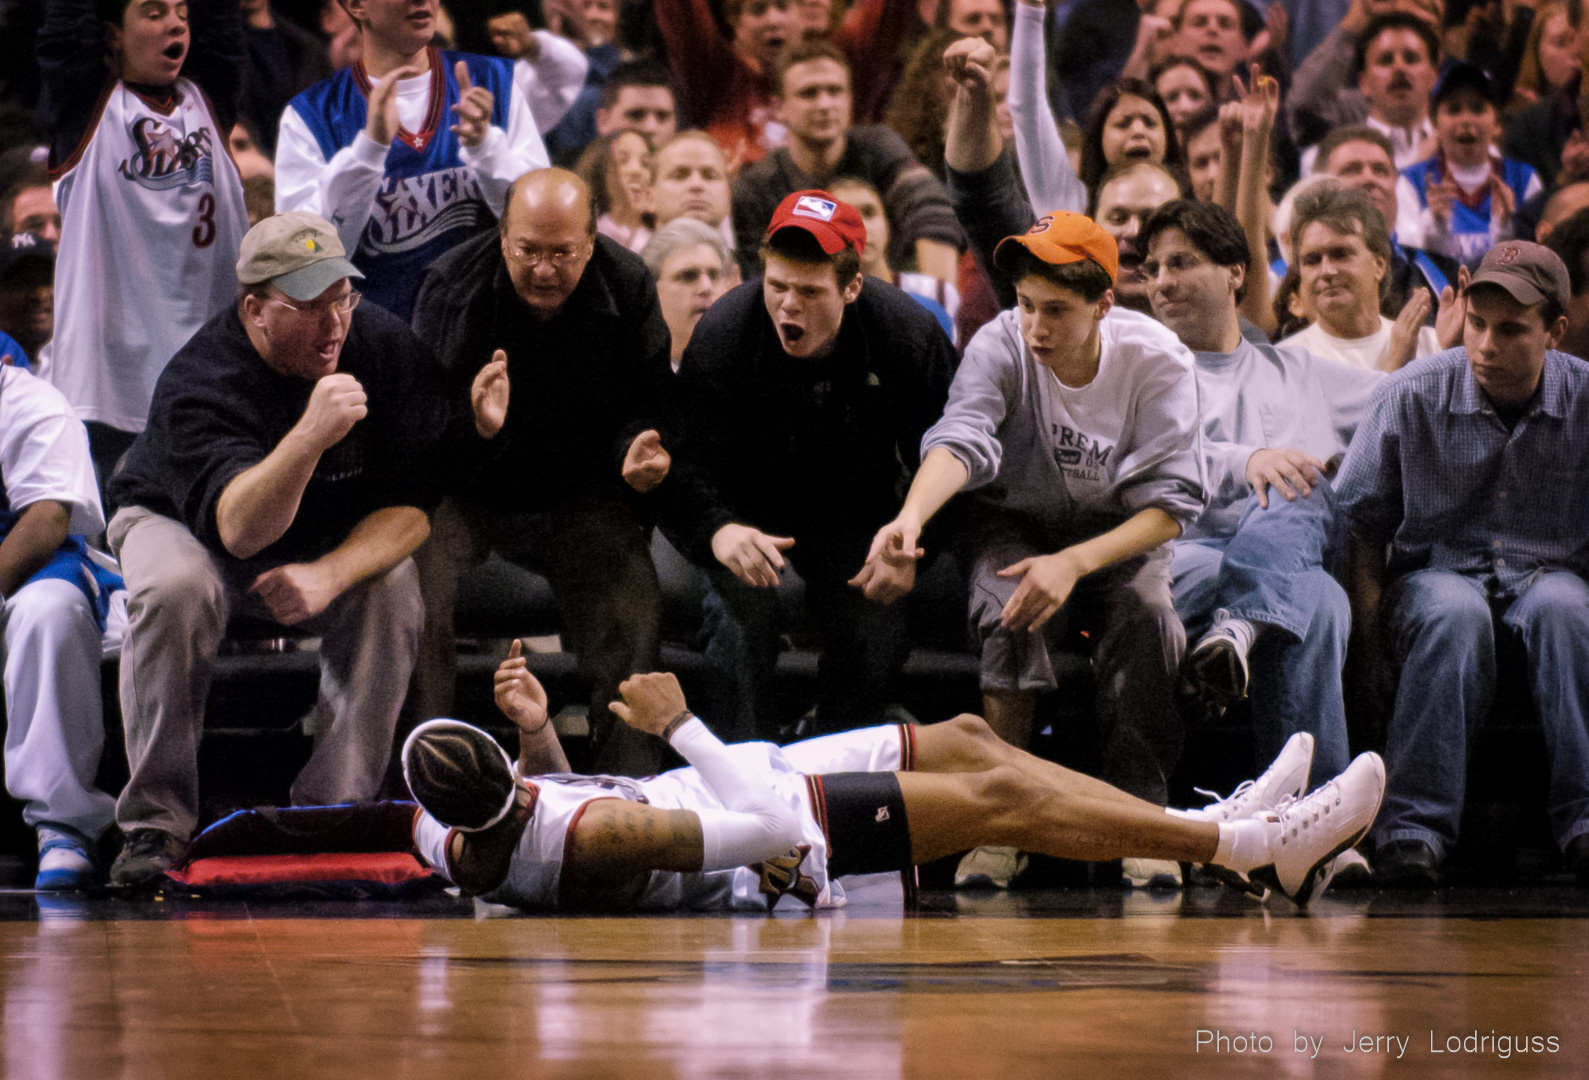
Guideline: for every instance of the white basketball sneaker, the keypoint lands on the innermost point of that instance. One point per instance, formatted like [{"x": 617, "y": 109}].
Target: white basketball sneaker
[
  {"x": 1305, "y": 835},
  {"x": 1286, "y": 777}
]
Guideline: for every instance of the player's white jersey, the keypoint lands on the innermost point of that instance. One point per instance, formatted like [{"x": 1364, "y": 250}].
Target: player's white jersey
[
  {"x": 152, "y": 216},
  {"x": 535, "y": 873}
]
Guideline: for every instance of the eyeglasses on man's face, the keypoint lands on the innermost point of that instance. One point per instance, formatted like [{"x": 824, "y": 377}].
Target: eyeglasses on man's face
[
  {"x": 342, "y": 305},
  {"x": 559, "y": 258}
]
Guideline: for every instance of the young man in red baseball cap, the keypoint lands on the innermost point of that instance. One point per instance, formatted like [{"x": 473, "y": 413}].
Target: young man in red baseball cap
[
  {"x": 804, "y": 398},
  {"x": 1074, "y": 423}
]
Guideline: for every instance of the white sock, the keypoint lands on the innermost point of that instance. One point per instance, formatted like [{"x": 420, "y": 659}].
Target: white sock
[
  {"x": 1241, "y": 632},
  {"x": 1243, "y": 844},
  {"x": 1189, "y": 815}
]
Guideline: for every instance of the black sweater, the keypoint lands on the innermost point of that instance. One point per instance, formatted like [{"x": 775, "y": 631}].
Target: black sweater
[
  {"x": 219, "y": 410},
  {"x": 584, "y": 382},
  {"x": 819, "y": 449}
]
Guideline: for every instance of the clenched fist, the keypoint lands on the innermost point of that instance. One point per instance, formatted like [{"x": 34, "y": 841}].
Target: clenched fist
[
  {"x": 646, "y": 464},
  {"x": 335, "y": 405}
]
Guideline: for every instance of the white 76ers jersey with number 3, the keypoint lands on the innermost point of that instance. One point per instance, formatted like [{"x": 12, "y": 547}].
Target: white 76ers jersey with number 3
[{"x": 152, "y": 215}]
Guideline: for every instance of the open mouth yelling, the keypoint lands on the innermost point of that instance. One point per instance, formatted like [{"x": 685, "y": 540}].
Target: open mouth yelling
[
  {"x": 175, "y": 51},
  {"x": 791, "y": 332}
]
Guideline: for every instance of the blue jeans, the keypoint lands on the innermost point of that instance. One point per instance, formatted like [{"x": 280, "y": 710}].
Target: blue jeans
[
  {"x": 1273, "y": 571},
  {"x": 1443, "y": 627}
]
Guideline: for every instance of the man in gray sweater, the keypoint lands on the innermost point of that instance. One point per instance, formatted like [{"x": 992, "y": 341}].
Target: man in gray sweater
[
  {"x": 1074, "y": 424},
  {"x": 1250, "y": 576}
]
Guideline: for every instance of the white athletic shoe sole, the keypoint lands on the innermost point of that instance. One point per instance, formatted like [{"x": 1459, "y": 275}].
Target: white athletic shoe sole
[{"x": 1310, "y": 832}]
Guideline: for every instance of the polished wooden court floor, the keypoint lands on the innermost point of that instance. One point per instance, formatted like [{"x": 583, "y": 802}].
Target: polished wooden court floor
[{"x": 1043, "y": 983}]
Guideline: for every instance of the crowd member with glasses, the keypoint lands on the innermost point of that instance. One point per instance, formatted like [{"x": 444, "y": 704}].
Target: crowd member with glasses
[
  {"x": 284, "y": 476},
  {"x": 691, "y": 264},
  {"x": 558, "y": 332}
]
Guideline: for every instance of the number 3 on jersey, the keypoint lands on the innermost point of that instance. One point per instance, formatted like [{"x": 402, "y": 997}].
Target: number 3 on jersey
[{"x": 204, "y": 231}]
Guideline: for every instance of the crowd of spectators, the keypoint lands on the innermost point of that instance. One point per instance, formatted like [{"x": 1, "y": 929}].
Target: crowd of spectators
[{"x": 1232, "y": 344}]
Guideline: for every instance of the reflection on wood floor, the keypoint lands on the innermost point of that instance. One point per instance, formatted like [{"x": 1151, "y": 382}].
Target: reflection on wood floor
[{"x": 1164, "y": 988}]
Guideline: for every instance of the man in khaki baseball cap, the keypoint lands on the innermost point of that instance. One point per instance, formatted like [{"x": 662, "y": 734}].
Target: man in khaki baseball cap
[
  {"x": 286, "y": 471},
  {"x": 297, "y": 252}
]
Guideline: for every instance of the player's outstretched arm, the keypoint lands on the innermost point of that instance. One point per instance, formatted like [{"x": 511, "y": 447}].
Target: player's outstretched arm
[{"x": 755, "y": 823}]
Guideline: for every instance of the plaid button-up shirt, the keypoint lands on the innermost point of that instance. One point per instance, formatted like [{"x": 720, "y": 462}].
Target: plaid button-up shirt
[{"x": 1436, "y": 469}]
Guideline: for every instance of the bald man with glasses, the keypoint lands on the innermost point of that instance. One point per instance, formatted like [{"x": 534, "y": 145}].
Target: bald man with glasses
[
  {"x": 557, "y": 332},
  {"x": 285, "y": 475}
]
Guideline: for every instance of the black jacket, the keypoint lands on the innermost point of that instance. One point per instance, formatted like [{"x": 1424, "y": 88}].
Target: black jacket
[
  {"x": 584, "y": 382},
  {"x": 819, "y": 449}
]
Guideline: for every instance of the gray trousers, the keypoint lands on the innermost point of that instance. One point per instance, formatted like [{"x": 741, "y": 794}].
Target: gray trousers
[
  {"x": 1129, "y": 614},
  {"x": 180, "y": 598}
]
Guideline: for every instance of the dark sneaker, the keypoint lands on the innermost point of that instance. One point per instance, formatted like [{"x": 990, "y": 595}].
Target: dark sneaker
[
  {"x": 1215, "y": 675},
  {"x": 1406, "y": 864},
  {"x": 146, "y": 855}
]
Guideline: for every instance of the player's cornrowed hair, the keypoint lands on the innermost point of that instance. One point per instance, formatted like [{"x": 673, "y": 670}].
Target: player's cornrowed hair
[{"x": 459, "y": 774}]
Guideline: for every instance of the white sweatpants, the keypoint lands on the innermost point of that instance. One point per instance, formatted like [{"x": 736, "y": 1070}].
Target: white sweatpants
[{"x": 55, "y": 729}]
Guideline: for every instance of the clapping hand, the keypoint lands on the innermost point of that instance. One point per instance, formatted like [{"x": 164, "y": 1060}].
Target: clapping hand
[
  {"x": 473, "y": 109},
  {"x": 489, "y": 394}
]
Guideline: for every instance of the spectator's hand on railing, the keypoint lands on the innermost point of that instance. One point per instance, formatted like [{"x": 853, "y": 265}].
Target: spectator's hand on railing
[
  {"x": 473, "y": 109},
  {"x": 646, "y": 464},
  {"x": 381, "y": 123},
  {"x": 489, "y": 395},
  {"x": 753, "y": 556}
]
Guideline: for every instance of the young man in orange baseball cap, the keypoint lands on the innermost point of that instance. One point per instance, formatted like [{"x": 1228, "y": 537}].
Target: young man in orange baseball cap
[{"x": 1073, "y": 423}]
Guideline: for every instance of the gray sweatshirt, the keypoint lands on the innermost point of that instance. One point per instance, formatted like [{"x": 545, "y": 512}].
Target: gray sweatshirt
[
  {"x": 1270, "y": 397},
  {"x": 1078, "y": 460}
]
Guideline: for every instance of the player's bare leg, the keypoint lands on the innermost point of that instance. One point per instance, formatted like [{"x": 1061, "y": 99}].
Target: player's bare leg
[
  {"x": 967, "y": 744},
  {"x": 1009, "y": 806}
]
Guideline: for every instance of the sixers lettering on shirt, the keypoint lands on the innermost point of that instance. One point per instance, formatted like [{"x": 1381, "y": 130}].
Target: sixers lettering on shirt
[
  {"x": 152, "y": 215},
  {"x": 429, "y": 200}
]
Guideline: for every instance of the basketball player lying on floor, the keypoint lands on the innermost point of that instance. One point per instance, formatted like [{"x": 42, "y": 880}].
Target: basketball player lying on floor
[{"x": 751, "y": 822}]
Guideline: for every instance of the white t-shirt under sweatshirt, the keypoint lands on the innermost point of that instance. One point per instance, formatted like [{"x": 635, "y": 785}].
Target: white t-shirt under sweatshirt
[
  {"x": 1079, "y": 460},
  {"x": 1363, "y": 352},
  {"x": 1270, "y": 397}
]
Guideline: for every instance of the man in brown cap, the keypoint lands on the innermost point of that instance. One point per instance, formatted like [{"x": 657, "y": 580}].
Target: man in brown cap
[
  {"x": 1472, "y": 470},
  {"x": 282, "y": 475}
]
